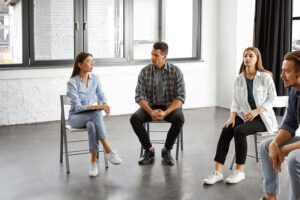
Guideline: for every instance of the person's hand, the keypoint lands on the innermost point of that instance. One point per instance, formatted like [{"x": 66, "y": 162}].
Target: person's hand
[
  {"x": 249, "y": 116},
  {"x": 276, "y": 157},
  {"x": 230, "y": 121},
  {"x": 154, "y": 115},
  {"x": 283, "y": 153},
  {"x": 106, "y": 108},
  {"x": 161, "y": 114}
]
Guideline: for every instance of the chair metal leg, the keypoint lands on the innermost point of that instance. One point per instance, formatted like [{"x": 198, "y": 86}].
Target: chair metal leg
[
  {"x": 141, "y": 153},
  {"x": 179, "y": 142},
  {"x": 146, "y": 125},
  {"x": 181, "y": 135},
  {"x": 177, "y": 147},
  {"x": 232, "y": 162},
  {"x": 61, "y": 144},
  {"x": 66, "y": 152},
  {"x": 255, "y": 144},
  {"x": 105, "y": 160},
  {"x": 98, "y": 152}
]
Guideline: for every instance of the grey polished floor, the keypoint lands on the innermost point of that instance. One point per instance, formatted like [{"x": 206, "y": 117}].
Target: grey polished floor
[{"x": 30, "y": 168}]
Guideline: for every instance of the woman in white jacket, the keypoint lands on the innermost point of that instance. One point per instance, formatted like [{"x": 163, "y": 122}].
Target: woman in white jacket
[{"x": 251, "y": 111}]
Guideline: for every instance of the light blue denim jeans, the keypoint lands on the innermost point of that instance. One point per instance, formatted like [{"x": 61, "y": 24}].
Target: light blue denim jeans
[
  {"x": 93, "y": 121},
  {"x": 271, "y": 180}
]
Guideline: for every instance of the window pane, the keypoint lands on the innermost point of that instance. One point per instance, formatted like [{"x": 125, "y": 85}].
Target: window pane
[
  {"x": 53, "y": 29},
  {"x": 145, "y": 27},
  {"x": 179, "y": 28},
  {"x": 296, "y": 8},
  {"x": 105, "y": 28},
  {"x": 11, "y": 34},
  {"x": 296, "y": 35}
]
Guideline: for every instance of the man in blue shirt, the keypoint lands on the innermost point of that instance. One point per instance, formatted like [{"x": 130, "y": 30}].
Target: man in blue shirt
[
  {"x": 160, "y": 92},
  {"x": 274, "y": 150}
]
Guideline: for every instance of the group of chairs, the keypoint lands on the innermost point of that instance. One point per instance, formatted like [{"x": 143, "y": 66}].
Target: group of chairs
[{"x": 67, "y": 130}]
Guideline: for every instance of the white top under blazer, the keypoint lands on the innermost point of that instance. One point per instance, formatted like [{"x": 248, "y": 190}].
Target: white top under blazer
[{"x": 264, "y": 94}]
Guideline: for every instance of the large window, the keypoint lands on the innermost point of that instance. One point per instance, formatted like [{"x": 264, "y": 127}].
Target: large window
[
  {"x": 296, "y": 26},
  {"x": 171, "y": 21},
  {"x": 11, "y": 33},
  {"x": 145, "y": 26},
  {"x": 105, "y": 28},
  {"x": 45, "y": 33},
  {"x": 53, "y": 29}
]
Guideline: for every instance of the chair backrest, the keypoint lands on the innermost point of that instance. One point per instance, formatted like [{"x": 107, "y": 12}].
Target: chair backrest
[
  {"x": 281, "y": 101},
  {"x": 64, "y": 101}
]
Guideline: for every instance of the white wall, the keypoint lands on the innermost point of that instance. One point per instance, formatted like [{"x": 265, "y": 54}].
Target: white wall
[
  {"x": 235, "y": 28},
  {"x": 29, "y": 96}
]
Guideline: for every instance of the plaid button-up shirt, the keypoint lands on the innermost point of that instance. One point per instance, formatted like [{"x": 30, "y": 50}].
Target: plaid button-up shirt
[{"x": 173, "y": 83}]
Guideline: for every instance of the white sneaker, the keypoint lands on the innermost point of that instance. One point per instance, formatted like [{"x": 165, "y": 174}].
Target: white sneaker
[
  {"x": 93, "y": 169},
  {"x": 213, "y": 177},
  {"x": 113, "y": 158},
  {"x": 235, "y": 177}
]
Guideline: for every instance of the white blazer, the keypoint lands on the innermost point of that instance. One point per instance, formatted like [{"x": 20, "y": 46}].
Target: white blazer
[{"x": 264, "y": 94}]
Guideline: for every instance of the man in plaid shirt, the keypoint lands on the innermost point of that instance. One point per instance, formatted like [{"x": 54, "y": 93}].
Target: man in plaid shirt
[{"x": 160, "y": 92}]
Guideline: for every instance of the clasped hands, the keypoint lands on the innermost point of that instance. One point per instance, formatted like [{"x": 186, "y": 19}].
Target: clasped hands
[
  {"x": 249, "y": 116},
  {"x": 158, "y": 115},
  {"x": 276, "y": 155}
]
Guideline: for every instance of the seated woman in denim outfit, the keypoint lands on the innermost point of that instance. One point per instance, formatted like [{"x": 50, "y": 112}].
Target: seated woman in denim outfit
[{"x": 83, "y": 88}]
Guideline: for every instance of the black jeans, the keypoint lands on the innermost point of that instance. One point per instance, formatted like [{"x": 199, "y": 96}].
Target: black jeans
[
  {"x": 138, "y": 118},
  {"x": 240, "y": 131}
]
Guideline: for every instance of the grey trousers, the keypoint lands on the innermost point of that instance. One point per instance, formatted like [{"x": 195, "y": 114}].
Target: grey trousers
[{"x": 271, "y": 180}]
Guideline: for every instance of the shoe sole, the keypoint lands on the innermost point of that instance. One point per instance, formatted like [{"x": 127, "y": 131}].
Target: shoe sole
[
  {"x": 206, "y": 183},
  {"x": 228, "y": 182},
  {"x": 145, "y": 163},
  {"x": 167, "y": 163},
  {"x": 92, "y": 176},
  {"x": 116, "y": 163}
]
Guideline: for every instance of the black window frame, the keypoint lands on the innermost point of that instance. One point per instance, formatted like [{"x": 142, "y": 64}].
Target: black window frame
[
  {"x": 292, "y": 20},
  {"x": 25, "y": 36},
  {"x": 80, "y": 10}
]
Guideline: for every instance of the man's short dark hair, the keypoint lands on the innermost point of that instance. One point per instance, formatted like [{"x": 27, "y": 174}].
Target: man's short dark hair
[
  {"x": 294, "y": 56},
  {"x": 162, "y": 46}
]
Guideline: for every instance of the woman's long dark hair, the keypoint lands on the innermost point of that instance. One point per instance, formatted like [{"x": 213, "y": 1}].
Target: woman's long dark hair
[{"x": 79, "y": 59}]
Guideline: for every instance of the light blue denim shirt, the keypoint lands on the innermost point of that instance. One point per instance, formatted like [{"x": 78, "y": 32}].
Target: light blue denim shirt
[{"x": 81, "y": 96}]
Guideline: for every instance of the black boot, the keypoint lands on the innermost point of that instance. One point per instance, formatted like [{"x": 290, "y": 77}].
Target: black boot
[
  {"x": 167, "y": 157},
  {"x": 148, "y": 157}
]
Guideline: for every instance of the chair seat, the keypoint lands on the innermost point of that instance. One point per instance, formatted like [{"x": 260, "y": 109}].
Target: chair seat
[
  {"x": 159, "y": 121},
  {"x": 75, "y": 129},
  {"x": 265, "y": 133}
]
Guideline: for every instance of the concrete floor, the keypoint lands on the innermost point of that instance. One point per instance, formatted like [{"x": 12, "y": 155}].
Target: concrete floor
[{"x": 30, "y": 168}]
